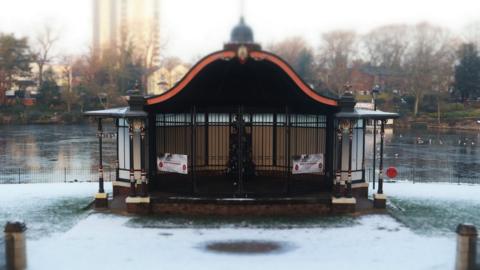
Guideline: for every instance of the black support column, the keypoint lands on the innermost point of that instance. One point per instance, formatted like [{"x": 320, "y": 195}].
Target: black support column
[
  {"x": 241, "y": 154},
  {"x": 380, "y": 173},
  {"x": 152, "y": 149},
  {"x": 288, "y": 144},
  {"x": 100, "y": 159},
  {"x": 144, "y": 192},
  {"x": 330, "y": 152},
  {"x": 349, "y": 179},
  {"x": 133, "y": 192},
  {"x": 193, "y": 145},
  {"x": 117, "y": 161},
  {"x": 338, "y": 175}
]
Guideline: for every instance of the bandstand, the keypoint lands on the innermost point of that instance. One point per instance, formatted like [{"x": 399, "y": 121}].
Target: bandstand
[{"x": 241, "y": 133}]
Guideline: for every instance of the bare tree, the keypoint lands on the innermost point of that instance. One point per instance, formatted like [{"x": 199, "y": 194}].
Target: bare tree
[
  {"x": 145, "y": 48},
  {"x": 68, "y": 95},
  {"x": 44, "y": 42},
  {"x": 386, "y": 45},
  {"x": 336, "y": 52},
  {"x": 297, "y": 52},
  {"x": 171, "y": 62},
  {"x": 429, "y": 61},
  {"x": 471, "y": 33}
]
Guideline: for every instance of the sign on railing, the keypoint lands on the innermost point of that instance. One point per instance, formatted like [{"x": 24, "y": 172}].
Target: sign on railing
[
  {"x": 313, "y": 163},
  {"x": 173, "y": 163}
]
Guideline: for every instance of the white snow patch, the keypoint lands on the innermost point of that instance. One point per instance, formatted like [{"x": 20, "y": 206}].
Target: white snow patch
[
  {"x": 105, "y": 242},
  {"x": 102, "y": 241},
  {"x": 15, "y": 193},
  {"x": 433, "y": 191}
]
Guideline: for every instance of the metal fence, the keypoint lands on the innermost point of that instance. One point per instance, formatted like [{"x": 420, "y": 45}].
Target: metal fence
[
  {"x": 3, "y": 262},
  {"x": 56, "y": 175},
  {"x": 68, "y": 175},
  {"x": 419, "y": 175}
]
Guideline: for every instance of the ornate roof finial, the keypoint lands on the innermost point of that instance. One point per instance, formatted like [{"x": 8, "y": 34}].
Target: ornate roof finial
[
  {"x": 347, "y": 87},
  {"x": 242, "y": 9}
]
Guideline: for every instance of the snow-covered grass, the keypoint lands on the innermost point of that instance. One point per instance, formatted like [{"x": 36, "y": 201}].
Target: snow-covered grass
[
  {"x": 13, "y": 193},
  {"x": 105, "y": 242},
  {"x": 46, "y": 208},
  {"x": 418, "y": 235},
  {"x": 434, "y": 191},
  {"x": 434, "y": 208}
]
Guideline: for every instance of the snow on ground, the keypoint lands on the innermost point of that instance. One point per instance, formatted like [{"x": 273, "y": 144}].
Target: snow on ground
[
  {"x": 434, "y": 191},
  {"x": 419, "y": 235},
  {"x": 46, "y": 208},
  {"x": 434, "y": 208},
  {"x": 11, "y": 193},
  {"x": 105, "y": 242}
]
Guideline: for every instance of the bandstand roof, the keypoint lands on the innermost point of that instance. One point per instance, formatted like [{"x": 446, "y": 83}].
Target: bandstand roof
[
  {"x": 242, "y": 77},
  {"x": 367, "y": 114},
  {"x": 124, "y": 112}
]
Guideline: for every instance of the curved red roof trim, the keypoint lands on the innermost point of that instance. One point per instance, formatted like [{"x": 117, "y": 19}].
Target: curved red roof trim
[
  {"x": 259, "y": 55},
  {"x": 293, "y": 75},
  {"x": 190, "y": 75}
]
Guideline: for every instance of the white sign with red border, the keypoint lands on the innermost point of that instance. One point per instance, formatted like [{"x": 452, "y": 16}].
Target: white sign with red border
[
  {"x": 172, "y": 163},
  {"x": 312, "y": 163}
]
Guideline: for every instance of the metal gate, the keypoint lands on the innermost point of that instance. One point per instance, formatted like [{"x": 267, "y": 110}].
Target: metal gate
[{"x": 239, "y": 152}]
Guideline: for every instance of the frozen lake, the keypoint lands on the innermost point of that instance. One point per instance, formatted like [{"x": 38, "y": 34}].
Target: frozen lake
[
  {"x": 43, "y": 153},
  {"x": 428, "y": 155},
  {"x": 420, "y": 155}
]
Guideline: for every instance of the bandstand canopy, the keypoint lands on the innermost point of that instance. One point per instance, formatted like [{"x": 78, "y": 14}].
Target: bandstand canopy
[
  {"x": 366, "y": 114},
  {"x": 124, "y": 112},
  {"x": 249, "y": 78}
]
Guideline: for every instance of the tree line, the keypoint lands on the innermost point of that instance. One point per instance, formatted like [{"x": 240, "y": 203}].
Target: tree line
[
  {"x": 432, "y": 65},
  {"x": 67, "y": 83},
  {"x": 428, "y": 61}
]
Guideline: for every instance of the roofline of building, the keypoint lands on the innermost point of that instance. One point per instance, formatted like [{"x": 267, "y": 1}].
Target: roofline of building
[{"x": 229, "y": 54}]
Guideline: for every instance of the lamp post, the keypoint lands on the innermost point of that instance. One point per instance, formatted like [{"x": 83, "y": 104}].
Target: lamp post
[{"x": 375, "y": 91}]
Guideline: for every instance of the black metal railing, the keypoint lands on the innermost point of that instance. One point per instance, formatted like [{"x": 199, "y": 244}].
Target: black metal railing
[
  {"x": 55, "y": 175},
  {"x": 3, "y": 263},
  {"x": 419, "y": 175}
]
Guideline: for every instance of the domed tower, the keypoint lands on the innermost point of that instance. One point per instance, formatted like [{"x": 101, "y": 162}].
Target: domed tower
[{"x": 242, "y": 35}]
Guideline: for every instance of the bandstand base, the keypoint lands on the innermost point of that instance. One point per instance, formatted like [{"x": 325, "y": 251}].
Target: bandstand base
[
  {"x": 343, "y": 205},
  {"x": 379, "y": 201},
  {"x": 138, "y": 205},
  {"x": 101, "y": 200}
]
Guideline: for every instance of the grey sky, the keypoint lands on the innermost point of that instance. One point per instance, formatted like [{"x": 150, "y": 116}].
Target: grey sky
[{"x": 196, "y": 27}]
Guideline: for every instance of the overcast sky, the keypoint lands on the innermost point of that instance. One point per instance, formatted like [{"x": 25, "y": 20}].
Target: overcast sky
[{"x": 196, "y": 27}]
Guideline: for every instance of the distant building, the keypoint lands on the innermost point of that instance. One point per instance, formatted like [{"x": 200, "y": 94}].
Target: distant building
[
  {"x": 119, "y": 24},
  {"x": 23, "y": 89},
  {"x": 364, "y": 77},
  {"x": 59, "y": 73},
  {"x": 163, "y": 78}
]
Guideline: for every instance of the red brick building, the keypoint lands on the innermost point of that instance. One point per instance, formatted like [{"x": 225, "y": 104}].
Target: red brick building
[{"x": 364, "y": 77}]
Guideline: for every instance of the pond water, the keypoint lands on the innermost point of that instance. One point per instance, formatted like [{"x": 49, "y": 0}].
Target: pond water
[
  {"x": 431, "y": 155},
  {"x": 70, "y": 151},
  {"x": 51, "y": 153}
]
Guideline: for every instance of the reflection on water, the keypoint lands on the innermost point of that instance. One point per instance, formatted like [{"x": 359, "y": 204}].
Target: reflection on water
[
  {"x": 430, "y": 155},
  {"x": 433, "y": 155},
  {"x": 54, "y": 147}
]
